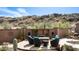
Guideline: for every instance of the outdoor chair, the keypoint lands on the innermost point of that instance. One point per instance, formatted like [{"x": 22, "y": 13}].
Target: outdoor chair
[
  {"x": 30, "y": 40},
  {"x": 37, "y": 42},
  {"x": 55, "y": 42}
]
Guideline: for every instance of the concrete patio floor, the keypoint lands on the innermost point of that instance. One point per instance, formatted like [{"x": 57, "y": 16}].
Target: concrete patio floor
[{"x": 24, "y": 45}]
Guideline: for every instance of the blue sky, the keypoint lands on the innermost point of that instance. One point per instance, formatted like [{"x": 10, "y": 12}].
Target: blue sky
[{"x": 25, "y": 11}]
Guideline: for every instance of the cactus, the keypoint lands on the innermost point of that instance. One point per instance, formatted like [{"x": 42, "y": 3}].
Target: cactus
[
  {"x": 15, "y": 44},
  {"x": 67, "y": 48},
  {"x": 64, "y": 48}
]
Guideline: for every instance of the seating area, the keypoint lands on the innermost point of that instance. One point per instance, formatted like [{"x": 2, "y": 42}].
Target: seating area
[
  {"x": 39, "y": 43},
  {"x": 49, "y": 43}
]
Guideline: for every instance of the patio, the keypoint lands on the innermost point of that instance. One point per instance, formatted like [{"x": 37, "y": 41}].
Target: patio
[
  {"x": 74, "y": 44},
  {"x": 21, "y": 46}
]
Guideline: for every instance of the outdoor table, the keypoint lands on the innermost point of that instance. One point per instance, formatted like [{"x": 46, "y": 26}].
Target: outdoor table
[
  {"x": 48, "y": 40},
  {"x": 70, "y": 42},
  {"x": 44, "y": 38}
]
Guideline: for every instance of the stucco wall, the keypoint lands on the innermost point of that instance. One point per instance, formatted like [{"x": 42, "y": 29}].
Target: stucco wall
[{"x": 9, "y": 35}]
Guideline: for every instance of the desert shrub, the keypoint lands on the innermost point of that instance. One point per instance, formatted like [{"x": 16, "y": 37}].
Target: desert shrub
[
  {"x": 20, "y": 35},
  {"x": 4, "y": 47},
  {"x": 67, "y": 48},
  {"x": 6, "y": 25}
]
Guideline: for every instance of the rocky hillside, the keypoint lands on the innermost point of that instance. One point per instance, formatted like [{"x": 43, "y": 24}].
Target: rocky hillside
[
  {"x": 20, "y": 21},
  {"x": 69, "y": 17}
]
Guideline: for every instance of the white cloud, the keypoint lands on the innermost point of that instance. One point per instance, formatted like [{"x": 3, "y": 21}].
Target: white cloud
[
  {"x": 22, "y": 11},
  {"x": 7, "y": 15},
  {"x": 19, "y": 12}
]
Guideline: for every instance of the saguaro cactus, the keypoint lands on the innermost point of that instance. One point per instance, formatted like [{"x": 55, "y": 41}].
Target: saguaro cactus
[{"x": 15, "y": 44}]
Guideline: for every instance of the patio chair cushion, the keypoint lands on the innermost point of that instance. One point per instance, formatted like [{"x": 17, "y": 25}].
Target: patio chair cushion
[
  {"x": 37, "y": 42},
  {"x": 55, "y": 41}
]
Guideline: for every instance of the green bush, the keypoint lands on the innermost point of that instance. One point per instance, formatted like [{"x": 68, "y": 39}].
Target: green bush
[{"x": 67, "y": 48}]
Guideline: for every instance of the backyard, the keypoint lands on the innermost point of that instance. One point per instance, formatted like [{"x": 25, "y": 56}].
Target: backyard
[{"x": 45, "y": 28}]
